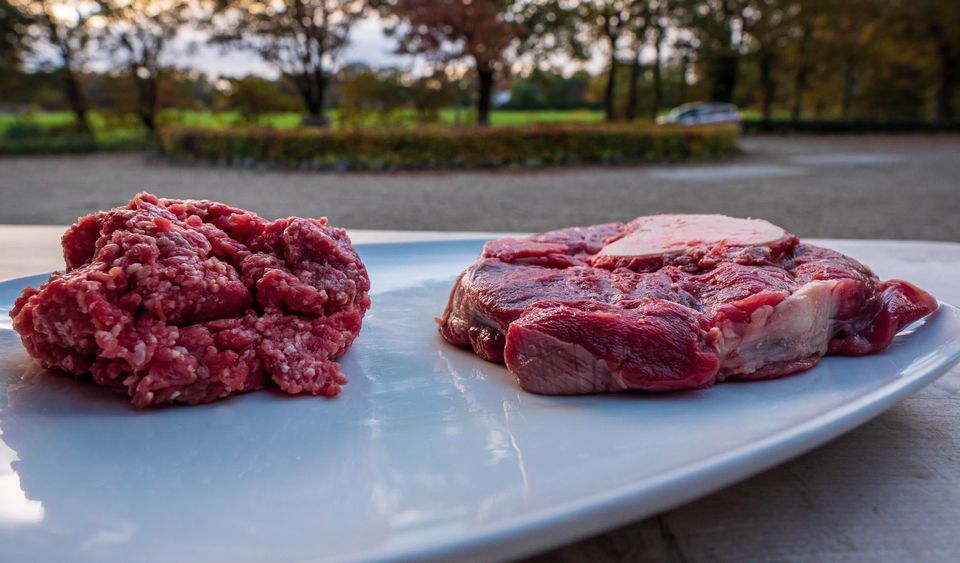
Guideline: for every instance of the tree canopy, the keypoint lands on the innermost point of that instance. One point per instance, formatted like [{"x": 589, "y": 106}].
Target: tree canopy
[{"x": 798, "y": 59}]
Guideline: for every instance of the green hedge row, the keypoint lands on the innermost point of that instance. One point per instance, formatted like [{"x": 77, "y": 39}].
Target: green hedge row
[
  {"x": 70, "y": 144},
  {"x": 449, "y": 148},
  {"x": 786, "y": 126}
]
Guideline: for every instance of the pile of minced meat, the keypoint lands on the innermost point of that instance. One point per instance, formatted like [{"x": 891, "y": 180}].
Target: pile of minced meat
[{"x": 191, "y": 301}]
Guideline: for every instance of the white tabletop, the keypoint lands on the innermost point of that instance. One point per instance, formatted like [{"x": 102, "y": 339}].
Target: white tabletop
[{"x": 887, "y": 491}]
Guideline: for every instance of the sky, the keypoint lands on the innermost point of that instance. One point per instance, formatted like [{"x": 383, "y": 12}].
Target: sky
[{"x": 368, "y": 44}]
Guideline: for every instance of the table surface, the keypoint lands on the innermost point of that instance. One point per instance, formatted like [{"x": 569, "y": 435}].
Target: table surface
[{"x": 887, "y": 491}]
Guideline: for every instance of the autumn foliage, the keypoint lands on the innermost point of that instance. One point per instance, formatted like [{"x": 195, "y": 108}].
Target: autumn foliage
[{"x": 455, "y": 29}]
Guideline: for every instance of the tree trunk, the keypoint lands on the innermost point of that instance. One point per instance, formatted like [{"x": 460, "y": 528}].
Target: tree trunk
[
  {"x": 819, "y": 107},
  {"x": 149, "y": 121},
  {"x": 147, "y": 101},
  {"x": 768, "y": 87},
  {"x": 799, "y": 87},
  {"x": 724, "y": 77},
  {"x": 319, "y": 113},
  {"x": 684, "y": 64},
  {"x": 849, "y": 82},
  {"x": 485, "y": 95},
  {"x": 803, "y": 70},
  {"x": 947, "y": 76},
  {"x": 609, "y": 96},
  {"x": 74, "y": 90},
  {"x": 657, "y": 83},
  {"x": 725, "y": 66},
  {"x": 632, "y": 93},
  {"x": 306, "y": 88},
  {"x": 311, "y": 88},
  {"x": 77, "y": 101}
]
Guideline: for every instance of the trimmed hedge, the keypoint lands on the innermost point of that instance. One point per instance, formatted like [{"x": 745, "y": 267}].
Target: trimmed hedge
[
  {"x": 435, "y": 148},
  {"x": 66, "y": 144},
  {"x": 853, "y": 126},
  {"x": 70, "y": 144}
]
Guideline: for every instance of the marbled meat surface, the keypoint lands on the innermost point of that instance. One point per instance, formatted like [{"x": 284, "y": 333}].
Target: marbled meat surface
[{"x": 567, "y": 315}]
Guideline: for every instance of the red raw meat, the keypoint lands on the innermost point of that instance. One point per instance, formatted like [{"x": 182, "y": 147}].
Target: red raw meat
[
  {"x": 192, "y": 301},
  {"x": 670, "y": 302}
]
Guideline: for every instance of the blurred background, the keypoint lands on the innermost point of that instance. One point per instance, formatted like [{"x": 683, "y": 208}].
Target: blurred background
[{"x": 847, "y": 110}]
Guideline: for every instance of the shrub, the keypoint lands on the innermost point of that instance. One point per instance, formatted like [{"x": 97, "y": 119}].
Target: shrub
[
  {"x": 30, "y": 136},
  {"x": 450, "y": 147},
  {"x": 252, "y": 97},
  {"x": 26, "y": 128},
  {"x": 73, "y": 144},
  {"x": 854, "y": 126}
]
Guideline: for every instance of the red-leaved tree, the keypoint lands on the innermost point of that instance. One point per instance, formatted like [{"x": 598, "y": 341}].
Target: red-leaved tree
[{"x": 479, "y": 30}]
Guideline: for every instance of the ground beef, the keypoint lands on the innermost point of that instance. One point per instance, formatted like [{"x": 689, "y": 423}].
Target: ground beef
[{"x": 192, "y": 301}]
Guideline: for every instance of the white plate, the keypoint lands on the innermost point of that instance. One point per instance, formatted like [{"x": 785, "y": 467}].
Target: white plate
[{"x": 428, "y": 452}]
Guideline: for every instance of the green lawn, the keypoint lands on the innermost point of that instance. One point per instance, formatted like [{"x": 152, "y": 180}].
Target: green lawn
[
  {"x": 51, "y": 131},
  {"x": 107, "y": 126},
  {"x": 498, "y": 118},
  {"x": 778, "y": 114},
  {"x": 508, "y": 118}
]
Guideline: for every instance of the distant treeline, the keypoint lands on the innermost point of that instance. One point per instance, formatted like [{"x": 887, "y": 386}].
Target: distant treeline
[
  {"x": 366, "y": 88},
  {"x": 794, "y": 59}
]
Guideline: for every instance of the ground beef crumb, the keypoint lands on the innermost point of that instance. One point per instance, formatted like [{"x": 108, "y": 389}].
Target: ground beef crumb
[{"x": 192, "y": 301}]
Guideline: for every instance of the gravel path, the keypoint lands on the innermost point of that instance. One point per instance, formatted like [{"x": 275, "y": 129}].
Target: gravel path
[{"x": 904, "y": 187}]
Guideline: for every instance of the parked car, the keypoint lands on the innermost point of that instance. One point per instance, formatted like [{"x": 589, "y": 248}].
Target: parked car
[{"x": 699, "y": 113}]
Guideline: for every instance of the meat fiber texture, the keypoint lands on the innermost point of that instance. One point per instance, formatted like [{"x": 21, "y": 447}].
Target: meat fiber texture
[
  {"x": 192, "y": 301},
  {"x": 670, "y": 302}
]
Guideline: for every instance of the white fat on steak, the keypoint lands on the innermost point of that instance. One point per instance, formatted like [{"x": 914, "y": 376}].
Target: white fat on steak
[
  {"x": 666, "y": 234},
  {"x": 796, "y": 329}
]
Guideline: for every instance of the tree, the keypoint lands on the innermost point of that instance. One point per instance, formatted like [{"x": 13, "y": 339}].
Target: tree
[
  {"x": 62, "y": 28},
  {"x": 647, "y": 21},
  {"x": 766, "y": 26},
  {"x": 659, "y": 23},
  {"x": 716, "y": 27},
  {"x": 448, "y": 30},
  {"x": 945, "y": 33},
  {"x": 851, "y": 41},
  {"x": 803, "y": 61},
  {"x": 684, "y": 53},
  {"x": 639, "y": 26},
  {"x": 608, "y": 20},
  {"x": 545, "y": 89},
  {"x": 253, "y": 96},
  {"x": 301, "y": 38},
  {"x": 429, "y": 95},
  {"x": 13, "y": 27},
  {"x": 140, "y": 34},
  {"x": 366, "y": 93},
  {"x": 937, "y": 23}
]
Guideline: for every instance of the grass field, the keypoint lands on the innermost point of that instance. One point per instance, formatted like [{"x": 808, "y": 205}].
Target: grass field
[
  {"x": 109, "y": 127},
  {"x": 112, "y": 127}
]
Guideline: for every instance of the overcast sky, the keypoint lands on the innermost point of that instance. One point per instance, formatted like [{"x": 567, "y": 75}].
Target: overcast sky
[{"x": 368, "y": 44}]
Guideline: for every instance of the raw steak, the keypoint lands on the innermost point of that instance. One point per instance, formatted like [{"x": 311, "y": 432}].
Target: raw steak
[
  {"x": 191, "y": 301},
  {"x": 670, "y": 302}
]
